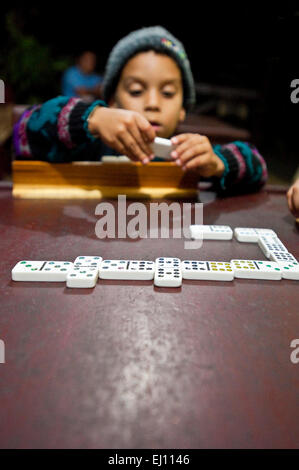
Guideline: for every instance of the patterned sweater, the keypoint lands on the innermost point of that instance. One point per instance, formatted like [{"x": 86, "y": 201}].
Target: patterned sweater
[{"x": 57, "y": 131}]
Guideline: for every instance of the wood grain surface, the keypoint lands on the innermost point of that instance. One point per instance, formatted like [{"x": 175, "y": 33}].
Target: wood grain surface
[
  {"x": 129, "y": 365},
  {"x": 93, "y": 180}
]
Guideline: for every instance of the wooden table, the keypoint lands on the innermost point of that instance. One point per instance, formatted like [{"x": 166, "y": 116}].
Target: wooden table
[{"x": 128, "y": 365}]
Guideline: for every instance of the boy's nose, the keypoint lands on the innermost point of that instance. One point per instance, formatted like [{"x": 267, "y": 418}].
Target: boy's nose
[{"x": 152, "y": 101}]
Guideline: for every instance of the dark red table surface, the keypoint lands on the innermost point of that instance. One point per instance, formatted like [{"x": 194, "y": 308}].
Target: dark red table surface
[{"x": 130, "y": 365}]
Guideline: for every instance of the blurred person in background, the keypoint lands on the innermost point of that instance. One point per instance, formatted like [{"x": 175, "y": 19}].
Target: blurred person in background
[{"x": 81, "y": 80}]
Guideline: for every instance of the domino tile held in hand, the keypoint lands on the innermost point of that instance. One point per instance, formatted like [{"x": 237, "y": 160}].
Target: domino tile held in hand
[{"x": 162, "y": 148}]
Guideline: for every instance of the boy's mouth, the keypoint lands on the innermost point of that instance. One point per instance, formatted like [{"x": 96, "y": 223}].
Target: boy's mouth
[{"x": 156, "y": 125}]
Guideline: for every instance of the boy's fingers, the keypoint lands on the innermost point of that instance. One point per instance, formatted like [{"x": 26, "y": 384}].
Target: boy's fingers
[
  {"x": 180, "y": 138},
  {"x": 199, "y": 162},
  {"x": 188, "y": 155},
  {"x": 132, "y": 149},
  {"x": 296, "y": 197},
  {"x": 193, "y": 140},
  {"x": 123, "y": 151},
  {"x": 289, "y": 199},
  {"x": 292, "y": 208},
  {"x": 185, "y": 151},
  {"x": 144, "y": 146},
  {"x": 146, "y": 129},
  {"x": 295, "y": 201}
]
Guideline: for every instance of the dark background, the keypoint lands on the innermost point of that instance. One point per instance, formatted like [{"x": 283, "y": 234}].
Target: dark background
[{"x": 241, "y": 46}]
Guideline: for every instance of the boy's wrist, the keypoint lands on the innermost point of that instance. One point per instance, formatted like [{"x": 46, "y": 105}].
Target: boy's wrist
[
  {"x": 220, "y": 167},
  {"x": 93, "y": 120}
]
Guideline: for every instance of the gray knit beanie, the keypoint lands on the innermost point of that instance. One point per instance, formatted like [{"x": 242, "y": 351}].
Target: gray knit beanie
[{"x": 153, "y": 38}]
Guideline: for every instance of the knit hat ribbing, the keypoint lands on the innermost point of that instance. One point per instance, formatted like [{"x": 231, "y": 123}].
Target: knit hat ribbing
[{"x": 154, "y": 38}]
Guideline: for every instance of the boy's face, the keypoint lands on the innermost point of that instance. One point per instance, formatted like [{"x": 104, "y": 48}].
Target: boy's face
[{"x": 151, "y": 84}]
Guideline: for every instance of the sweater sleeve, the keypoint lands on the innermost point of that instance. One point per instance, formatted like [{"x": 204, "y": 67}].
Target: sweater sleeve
[
  {"x": 57, "y": 131},
  {"x": 245, "y": 168}
]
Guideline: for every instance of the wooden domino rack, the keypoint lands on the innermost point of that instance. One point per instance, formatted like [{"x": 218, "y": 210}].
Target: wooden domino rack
[{"x": 94, "y": 180}]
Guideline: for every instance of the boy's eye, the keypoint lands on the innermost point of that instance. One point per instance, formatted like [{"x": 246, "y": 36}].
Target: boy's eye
[
  {"x": 135, "y": 92},
  {"x": 168, "y": 93}
]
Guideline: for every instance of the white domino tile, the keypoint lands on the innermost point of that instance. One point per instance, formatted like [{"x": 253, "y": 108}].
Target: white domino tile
[
  {"x": 269, "y": 244},
  {"x": 207, "y": 270},
  {"x": 45, "y": 271},
  {"x": 290, "y": 271},
  {"x": 256, "y": 269},
  {"x": 168, "y": 262},
  {"x": 114, "y": 159},
  {"x": 127, "y": 269},
  {"x": 211, "y": 232},
  {"x": 282, "y": 257},
  {"x": 82, "y": 277},
  {"x": 25, "y": 270},
  {"x": 168, "y": 272},
  {"x": 251, "y": 235},
  {"x": 88, "y": 261},
  {"x": 162, "y": 148}
]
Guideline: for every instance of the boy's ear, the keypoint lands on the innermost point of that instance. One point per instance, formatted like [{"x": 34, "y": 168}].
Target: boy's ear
[{"x": 182, "y": 115}]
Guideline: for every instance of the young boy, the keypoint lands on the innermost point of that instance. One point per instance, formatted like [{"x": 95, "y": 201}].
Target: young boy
[{"x": 148, "y": 87}]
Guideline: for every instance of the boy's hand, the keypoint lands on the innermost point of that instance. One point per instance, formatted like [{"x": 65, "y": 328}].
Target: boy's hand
[
  {"x": 194, "y": 151},
  {"x": 293, "y": 199},
  {"x": 128, "y": 132}
]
